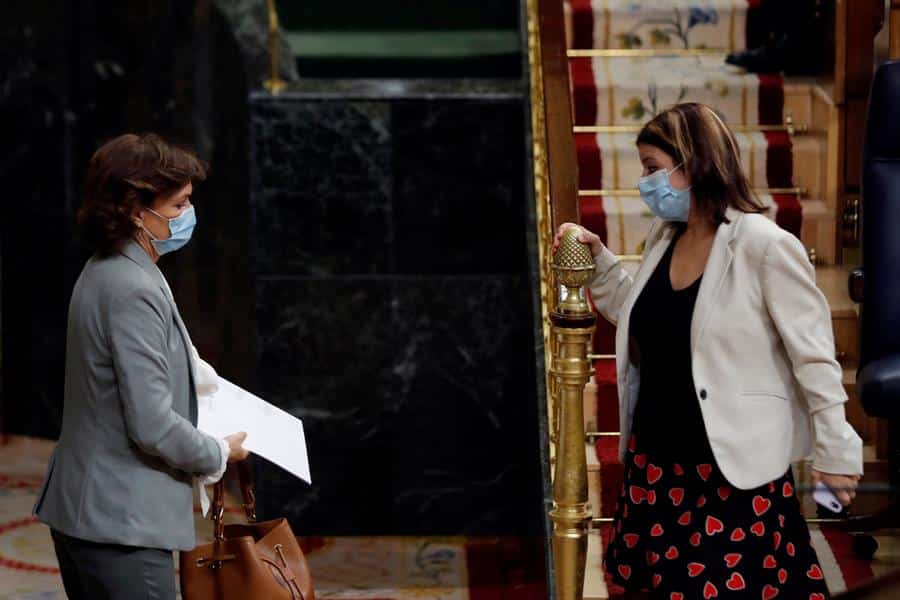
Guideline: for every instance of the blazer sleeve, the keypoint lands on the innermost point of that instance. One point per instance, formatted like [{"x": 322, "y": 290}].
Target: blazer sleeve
[
  {"x": 610, "y": 285},
  {"x": 137, "y": 335},
  {"x": 803, "y": 319},
  {"x": 612, "y": 281}
]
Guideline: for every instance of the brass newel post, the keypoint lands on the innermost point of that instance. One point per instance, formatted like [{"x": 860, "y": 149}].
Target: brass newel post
[
  {"x": 274, "y": 84},
  {"x": 573, "y": 325}
]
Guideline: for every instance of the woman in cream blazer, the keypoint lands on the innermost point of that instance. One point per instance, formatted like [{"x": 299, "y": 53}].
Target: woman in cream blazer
[{"x": 726, "y": 375}]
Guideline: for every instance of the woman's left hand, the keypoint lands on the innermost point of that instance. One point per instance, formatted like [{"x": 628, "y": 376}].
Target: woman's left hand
[{"x": 843, "y": 486}]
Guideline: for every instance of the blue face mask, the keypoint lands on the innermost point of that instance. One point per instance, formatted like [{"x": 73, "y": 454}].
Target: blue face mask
[
  {"x": 666, "y": 202},
  {"x": 180, "y": 230}
]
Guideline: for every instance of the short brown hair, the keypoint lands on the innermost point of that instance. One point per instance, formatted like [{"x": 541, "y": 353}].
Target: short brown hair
[
  {"x": 696, "y": 137},
  {"x": 125, "y": 172}
]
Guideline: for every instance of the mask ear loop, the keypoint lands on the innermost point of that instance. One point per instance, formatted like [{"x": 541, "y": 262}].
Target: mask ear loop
[{"x": 679, "y": 166}]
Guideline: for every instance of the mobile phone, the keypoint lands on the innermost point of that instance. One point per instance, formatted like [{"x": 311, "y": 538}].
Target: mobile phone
[{"x": 824, "y": 496}]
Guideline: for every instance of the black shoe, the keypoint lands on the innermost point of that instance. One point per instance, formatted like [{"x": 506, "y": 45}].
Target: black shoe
[
  {"x": 788, "y": 56},
  {"x": 767, "y": 59}
]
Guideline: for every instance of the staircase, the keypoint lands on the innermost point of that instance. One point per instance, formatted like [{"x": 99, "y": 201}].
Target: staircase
[{"x": 629, "y": 58}]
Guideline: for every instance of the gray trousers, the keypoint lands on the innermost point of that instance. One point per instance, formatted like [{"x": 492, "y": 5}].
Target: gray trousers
[{"x": 92, "y": 571}]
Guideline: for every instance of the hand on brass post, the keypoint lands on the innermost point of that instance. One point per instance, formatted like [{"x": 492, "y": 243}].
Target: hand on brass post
[
  {"x": 573, "y": 264},
  {"x": 573, "y": 326},
  {"x": 584, "y": 236}
]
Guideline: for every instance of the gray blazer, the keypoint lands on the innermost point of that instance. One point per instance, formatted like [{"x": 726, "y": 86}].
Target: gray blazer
[{"x": 122, "y": 471}]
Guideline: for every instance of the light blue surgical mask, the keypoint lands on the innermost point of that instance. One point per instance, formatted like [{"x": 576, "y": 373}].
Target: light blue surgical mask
[
  {"x": 665, "y": 201},
  {"x": 180, "y": 230}
]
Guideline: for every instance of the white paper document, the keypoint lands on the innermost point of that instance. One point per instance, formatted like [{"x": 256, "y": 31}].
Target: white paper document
[{"x": 272, "y": 433}]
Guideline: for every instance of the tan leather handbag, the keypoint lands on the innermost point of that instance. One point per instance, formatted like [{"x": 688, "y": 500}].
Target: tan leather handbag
[{"x": 246, "y": 562}]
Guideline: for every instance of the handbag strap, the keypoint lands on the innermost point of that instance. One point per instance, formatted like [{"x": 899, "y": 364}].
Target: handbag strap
[{"x": 247, "y": 494}]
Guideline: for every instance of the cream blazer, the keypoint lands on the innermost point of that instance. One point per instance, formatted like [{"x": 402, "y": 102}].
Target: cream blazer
[{"x": 762, "y": 352}]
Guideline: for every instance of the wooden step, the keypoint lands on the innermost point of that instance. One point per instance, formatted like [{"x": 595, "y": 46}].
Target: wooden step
[
  {"x": 654, "y": 24},
  {"x": 594, "y": 580}
]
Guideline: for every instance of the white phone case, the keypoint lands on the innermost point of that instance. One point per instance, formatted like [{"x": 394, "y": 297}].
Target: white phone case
[{"x": 824, "y": 496}]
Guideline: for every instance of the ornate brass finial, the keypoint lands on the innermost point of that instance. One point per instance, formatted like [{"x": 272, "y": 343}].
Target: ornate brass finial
[{"x": 574, "y": 268}]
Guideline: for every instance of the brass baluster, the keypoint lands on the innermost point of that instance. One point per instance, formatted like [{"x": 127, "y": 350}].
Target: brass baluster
[
  {"x": 274, "y": 84},
  {"x": 573, "y": 327}
]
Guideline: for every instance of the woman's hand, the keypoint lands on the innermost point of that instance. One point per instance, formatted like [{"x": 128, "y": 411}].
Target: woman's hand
[
  {"x": 843, "y": 486},
  {"x": 236, "y": 452},
  {"x": 585, "y": 237}
]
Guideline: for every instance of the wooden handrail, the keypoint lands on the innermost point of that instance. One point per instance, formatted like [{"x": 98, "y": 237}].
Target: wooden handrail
[
  {"x": 561, "y": 155},
  {"x": 894, "y": 24}
]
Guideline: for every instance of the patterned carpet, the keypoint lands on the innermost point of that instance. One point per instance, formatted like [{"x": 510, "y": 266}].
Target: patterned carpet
[
  {"x": 627, "y": 91},
  {"x": 343, "y": 568}
]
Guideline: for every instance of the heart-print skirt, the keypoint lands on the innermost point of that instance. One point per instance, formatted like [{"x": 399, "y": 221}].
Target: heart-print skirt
[{"x": 684, "y": 533}]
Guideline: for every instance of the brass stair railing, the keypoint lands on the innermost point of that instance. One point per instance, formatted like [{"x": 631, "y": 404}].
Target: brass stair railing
[
  {"x": 788, "y": 127},
  {"x": 275, "y": 84},
  {"x": 645, "y": 52},
  {"x": 633, "y": 192}
]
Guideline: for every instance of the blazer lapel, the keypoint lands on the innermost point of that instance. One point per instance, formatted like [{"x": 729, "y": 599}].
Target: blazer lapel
[
  {"x": 720, "y": 257},
  {"x": 133, "y": 251}
]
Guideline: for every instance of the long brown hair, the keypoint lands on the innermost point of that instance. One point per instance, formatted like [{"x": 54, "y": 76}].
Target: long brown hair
[
  {"x": 695, "y": 136},
  {"x": 129, "y": 171}
]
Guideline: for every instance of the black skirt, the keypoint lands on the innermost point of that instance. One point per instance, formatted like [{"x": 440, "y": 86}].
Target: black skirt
[{"x": 683, "y": 532}]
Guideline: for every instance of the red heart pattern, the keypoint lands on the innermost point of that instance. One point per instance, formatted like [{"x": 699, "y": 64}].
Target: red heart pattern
[
  {"x": 654, "y": 474},
  {"x": 714, "y": 526},
  {"x": 736, "y": 582},
  {"x": 711, "y": 525},
  {"x": 638, "y": 494},
  {"x": 761, "y": 505},
  {"x": 704, "y": 471}
]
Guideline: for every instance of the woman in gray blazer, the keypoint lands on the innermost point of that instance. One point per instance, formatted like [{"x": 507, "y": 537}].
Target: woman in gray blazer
[{"x": 118, "y": 491}]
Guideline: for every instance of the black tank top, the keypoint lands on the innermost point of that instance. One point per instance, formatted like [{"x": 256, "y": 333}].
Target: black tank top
[{"x": 667, "y": 419}]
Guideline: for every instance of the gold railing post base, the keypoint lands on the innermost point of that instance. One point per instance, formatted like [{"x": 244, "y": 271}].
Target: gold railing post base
[
  {"x": 571, "y": 516},
  {"x": 274, "y": 86}
]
